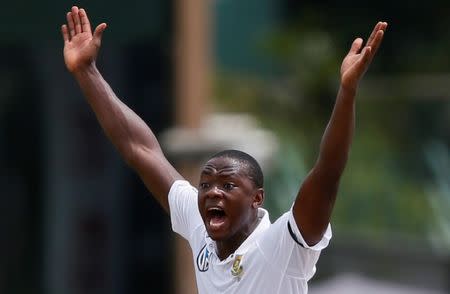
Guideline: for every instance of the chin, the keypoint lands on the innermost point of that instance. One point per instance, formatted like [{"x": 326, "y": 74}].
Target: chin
[{"x": 217, "y": 235}]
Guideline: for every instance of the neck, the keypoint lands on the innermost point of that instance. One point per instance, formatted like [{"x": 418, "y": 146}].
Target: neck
[{"x": 226, "y": 247}]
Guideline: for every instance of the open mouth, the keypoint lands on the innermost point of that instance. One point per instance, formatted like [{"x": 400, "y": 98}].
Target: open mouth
[{"x": 216, "y": 217}]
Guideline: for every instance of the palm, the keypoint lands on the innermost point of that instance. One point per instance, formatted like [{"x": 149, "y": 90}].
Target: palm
[
  {"x": 80, "y": 44},
  {"x": 80, "y": 50},
  {"x": 357, "y": 61},
  {"x": 352, "y": 68}
]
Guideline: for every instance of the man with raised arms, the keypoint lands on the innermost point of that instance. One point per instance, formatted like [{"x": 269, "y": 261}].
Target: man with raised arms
[{"x": 236, "y": 249}]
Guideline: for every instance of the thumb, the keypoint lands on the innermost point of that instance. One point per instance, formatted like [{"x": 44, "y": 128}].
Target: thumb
[
  {"x": 99, "y": 32},
  {"x": 356, "y": 46}
]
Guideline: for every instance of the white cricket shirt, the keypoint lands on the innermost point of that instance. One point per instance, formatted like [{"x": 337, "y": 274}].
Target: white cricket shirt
[{"x": 274, "y": 259}]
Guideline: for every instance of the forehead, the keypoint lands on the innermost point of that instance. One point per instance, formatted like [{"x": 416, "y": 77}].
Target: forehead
[{"x": 224, "y": 166}]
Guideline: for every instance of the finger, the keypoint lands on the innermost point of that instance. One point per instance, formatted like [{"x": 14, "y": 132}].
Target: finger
[
  {"x": 356, "y": 46},
  {"x": 383, "y": 26},
  {"x": 380, "y": 26},
  {"x": 98, "y": 33},
  {"x": 65, "y": 33},
  {"x": 85, "y": 24},
  {"x": 374, "y": 32},
  {"x": 70, "y": 24},
  {"x": 366, "y": 56},
  {"x": 377, "y": 41},
  {"x": 76, "y": 19},
  {"x": 364, "y": 60}
]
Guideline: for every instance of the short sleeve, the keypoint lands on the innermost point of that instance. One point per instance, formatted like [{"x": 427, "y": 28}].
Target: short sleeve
[
  {"x": 184, "y": 214},
  {"x": 284, "y": 246},
  {"x": 297, "y": 236}
]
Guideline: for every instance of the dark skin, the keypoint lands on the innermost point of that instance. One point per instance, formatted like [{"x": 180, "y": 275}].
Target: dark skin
[
  {"x": 141, "y": 150},
  {"x": 224, "y": 183}
]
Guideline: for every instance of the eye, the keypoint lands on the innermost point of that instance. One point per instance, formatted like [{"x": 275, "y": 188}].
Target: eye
[
  {"x": 204, "y": 186},
  {"x": 228, "y": 186}
]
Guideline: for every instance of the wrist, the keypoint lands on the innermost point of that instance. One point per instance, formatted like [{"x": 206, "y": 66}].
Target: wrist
[
  {"x": 85, "y": 70},
  {"x": 348, "y": 90},
  {"x": 347, "y": 93}
]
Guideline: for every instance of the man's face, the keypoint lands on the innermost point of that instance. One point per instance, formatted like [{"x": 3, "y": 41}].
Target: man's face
[{"x": 228, "y": 199}]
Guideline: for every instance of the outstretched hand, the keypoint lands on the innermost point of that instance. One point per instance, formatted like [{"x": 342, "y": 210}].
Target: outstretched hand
[
  {"x": 358, "y": 60},
  {"x": 81, "y": 46}
]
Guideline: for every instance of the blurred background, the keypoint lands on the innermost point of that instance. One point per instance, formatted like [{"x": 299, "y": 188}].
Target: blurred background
[{"x": 75, "y": 219}]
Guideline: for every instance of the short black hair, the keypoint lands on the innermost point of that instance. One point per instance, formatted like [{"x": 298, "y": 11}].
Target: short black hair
[{"x": 254, "y": 170}]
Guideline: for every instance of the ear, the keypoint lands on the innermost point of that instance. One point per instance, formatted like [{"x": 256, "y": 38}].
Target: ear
[{"x": 258, "y": 198}]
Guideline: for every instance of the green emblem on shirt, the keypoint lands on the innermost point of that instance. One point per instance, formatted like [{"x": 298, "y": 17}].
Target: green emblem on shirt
[{"x": 236, "y": 270}]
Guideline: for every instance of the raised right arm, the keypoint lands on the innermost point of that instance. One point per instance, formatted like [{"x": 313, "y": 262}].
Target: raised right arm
[{"x": 127, "y": 131}]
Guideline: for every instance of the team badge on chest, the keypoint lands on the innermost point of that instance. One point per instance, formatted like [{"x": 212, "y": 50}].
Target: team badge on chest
[{"x": 236, "y": 269}]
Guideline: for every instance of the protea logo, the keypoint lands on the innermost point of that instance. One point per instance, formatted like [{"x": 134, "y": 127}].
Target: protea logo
[
  {"x": 203, "y": 259},
  {"x": 236, "y": 270}
]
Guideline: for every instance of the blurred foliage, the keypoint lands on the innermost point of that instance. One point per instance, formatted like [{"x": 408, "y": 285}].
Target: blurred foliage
[
  {"x": 438, "y": 192},
  {"x": 382, "y": 191}
]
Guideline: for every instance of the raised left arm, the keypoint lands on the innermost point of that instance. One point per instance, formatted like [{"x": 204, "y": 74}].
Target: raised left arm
[{"x": 315, "y": 200}]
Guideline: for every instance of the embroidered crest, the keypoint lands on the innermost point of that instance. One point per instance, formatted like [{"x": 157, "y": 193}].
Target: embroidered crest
[
  {"x": 237, "y": 269},
  {"x": 203, "y": 259}
]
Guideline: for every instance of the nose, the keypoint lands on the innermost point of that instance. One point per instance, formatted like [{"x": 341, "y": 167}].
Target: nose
[{"x": 214, "y": 192}]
